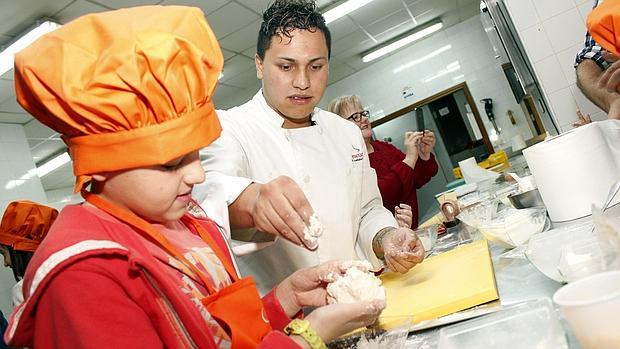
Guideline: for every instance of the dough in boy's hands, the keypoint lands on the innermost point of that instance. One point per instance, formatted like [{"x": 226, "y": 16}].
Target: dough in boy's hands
[{"x": 357, "y": 284}]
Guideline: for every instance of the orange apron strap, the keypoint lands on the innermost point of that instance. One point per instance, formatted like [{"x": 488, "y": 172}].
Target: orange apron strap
[
  {"x": 143, "y": 226},
  {"x": 206, "y": 237},
  {"x": 239, "y": 306}
]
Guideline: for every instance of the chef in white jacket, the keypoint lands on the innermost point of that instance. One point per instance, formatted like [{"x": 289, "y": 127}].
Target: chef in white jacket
[{"x": 280, "y": 132}]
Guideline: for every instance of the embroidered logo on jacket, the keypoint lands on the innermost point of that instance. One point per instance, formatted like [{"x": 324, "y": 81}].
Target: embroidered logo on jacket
[{"x": 357, "y": 155}]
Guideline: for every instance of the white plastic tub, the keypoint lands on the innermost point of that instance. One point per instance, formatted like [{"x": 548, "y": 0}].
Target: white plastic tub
[{"x": 591, "y": 306}]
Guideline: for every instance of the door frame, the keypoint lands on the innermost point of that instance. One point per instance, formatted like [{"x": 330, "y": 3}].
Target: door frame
[{"x": 470, "y": 99}]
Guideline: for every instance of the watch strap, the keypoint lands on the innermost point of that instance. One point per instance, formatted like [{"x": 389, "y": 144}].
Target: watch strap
[{"x": 302, "y": 328}]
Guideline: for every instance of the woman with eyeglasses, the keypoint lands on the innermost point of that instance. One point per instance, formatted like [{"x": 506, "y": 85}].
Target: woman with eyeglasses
[{"x": 399, "y": 174}]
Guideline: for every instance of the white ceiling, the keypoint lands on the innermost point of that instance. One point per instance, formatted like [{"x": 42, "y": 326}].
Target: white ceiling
[{"x": 235, "y": 23}]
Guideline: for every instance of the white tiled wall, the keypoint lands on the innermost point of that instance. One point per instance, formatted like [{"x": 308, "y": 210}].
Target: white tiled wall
[
  {"x": 15, "y": 162},
  {"x": 59, "y": 198},
  {"x": 466, "y": 55},
  {"x": 552, "y": 32}
]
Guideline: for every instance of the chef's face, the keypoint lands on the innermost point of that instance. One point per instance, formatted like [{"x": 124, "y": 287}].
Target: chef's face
[
  {"x": 350, "y": 110},
  {"x": 294, "y": 75}
]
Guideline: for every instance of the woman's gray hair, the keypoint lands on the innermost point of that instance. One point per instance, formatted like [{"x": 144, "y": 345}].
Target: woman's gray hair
[{"x": 338, "y": 105}]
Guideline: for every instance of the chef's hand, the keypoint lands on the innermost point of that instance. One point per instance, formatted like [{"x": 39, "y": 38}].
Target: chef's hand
[
  {"x": 278, "y": 207},
  {"x": 334, "y": 320},
  {"x": 411, "y": 147},
  {"x": 400, "y": 248},
  {"x": 403, "y": 215},
  {"x": 427, "y": 143},
  {"x": 306, "y": 287}
]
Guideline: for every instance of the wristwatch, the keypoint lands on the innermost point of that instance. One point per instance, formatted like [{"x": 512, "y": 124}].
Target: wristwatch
[{"x": 303, "y": 329}]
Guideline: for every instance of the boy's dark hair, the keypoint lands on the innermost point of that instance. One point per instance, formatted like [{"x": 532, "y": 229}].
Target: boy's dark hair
[
  {"x": 19, "y": 261},
  {"x": 284, "y": 16}
]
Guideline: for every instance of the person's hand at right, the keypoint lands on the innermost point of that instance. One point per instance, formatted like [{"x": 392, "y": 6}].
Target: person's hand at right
[
  {"x": 412, "y": 139},
  {"x": 278, "y": 207},
  {"x": 610, "y": 82}
]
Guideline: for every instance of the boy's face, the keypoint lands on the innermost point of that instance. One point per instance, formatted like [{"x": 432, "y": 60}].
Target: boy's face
[
  {"x": 294, "y": 74},
  {"x": 156, "y": 193},
  {"x": 7, "y": 256}
]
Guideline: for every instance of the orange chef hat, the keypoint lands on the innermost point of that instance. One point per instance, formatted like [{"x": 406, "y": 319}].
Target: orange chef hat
[
  {"x": 604, "y": 26},
  {"x": 127, "y": 88},
  {"x": 25, "y": 224}
]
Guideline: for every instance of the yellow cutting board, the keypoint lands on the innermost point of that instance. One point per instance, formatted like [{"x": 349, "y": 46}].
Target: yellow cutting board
[{"x": 441, "y": 285}]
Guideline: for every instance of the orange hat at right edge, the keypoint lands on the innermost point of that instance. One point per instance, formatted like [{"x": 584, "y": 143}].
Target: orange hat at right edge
[
  {"x": 126, "y": 89},
  {"x": 604, "y": 25},
  {"x": 25, "y": 224}
]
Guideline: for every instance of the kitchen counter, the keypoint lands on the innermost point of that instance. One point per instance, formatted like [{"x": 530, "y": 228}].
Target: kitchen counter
[{"x": 517, "y": 281}]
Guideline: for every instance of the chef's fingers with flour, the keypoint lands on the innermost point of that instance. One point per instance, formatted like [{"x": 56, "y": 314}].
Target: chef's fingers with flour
[
  {"x": 280, "y": 207},
  {"x": 402, "y": 249}
]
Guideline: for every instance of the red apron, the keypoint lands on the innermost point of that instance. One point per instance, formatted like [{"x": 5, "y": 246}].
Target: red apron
[{"x": 237, "y": 307}]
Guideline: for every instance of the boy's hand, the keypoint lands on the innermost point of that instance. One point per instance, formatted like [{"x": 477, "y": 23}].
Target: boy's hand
[
  {"x": 306, "y": 287},
  {"x": 334, "y": 320}
]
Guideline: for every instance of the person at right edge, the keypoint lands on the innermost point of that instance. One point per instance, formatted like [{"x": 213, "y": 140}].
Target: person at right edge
[{"x": 598, "y": 75}]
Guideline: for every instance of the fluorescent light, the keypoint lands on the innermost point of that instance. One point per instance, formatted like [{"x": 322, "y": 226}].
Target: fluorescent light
[
  {"x": 52, "y": 164},
  {"x": 417, "y": 35},
  {"x": 41, "y": 171},
  {"x": 7, "y": 56},
  {"x": 422, "y": 59},
  {"x": 343, "y": 9}
]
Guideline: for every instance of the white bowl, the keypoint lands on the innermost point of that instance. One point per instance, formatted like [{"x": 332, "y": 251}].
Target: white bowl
[
  {"x": 545, "y": 249},
  {"x": 512, "y": 227}
]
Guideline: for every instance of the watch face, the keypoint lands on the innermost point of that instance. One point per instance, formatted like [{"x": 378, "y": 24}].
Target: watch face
[{"x": 297, "y": 326}]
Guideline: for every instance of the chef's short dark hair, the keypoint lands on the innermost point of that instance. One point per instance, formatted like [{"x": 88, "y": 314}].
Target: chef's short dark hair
[{"x": 284, "y": 16}]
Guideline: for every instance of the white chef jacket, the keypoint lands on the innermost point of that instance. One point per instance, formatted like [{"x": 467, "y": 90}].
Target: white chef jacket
[
  {"x": 328, "y": 161},
  {"x": 18, "y": 295}
]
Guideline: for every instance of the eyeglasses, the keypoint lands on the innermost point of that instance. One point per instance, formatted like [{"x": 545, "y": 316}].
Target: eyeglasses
[{"x": 357, "y": 117}]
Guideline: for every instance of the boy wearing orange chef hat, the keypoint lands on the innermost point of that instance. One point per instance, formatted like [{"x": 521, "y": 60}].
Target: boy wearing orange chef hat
[
  {"x": 131, "y": 93},
  {"x": 24, "y": 225}
]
